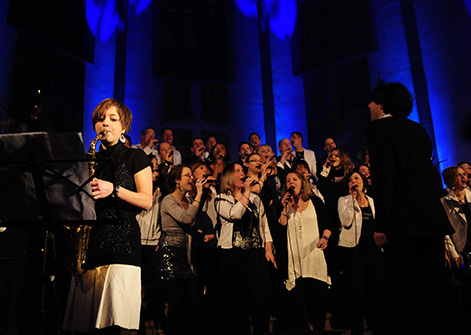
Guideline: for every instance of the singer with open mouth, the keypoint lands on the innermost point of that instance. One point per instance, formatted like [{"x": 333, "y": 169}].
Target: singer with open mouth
[
  {"x": 219, "y": 156},
  {"x": 204, "y": 244},
  {"x": 264, "y": 185},
  {"x": 308, "y": 229},
  {"x": 245, "y": 245},
  {"x": 178, "y": 212},
  {"x": 362, "y": 259}
]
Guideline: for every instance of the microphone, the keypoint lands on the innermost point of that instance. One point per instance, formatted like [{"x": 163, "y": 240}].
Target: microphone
[
  {"x": 205, "y": 176},
  {"x": 354, "y": 187},
  {"x": 291, "y": 191},
  {"x": 252, "y": 183}
]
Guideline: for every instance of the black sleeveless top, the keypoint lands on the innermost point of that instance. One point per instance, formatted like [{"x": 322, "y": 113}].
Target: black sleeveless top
[{"x": 115, "y": 238}]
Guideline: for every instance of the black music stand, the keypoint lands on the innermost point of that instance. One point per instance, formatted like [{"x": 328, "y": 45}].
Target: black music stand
[{"x": 44, "y": 182}]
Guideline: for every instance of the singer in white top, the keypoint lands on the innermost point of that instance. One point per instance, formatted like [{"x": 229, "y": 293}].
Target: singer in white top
[
  {"x": 308, "y": 229},
  {"x": 245, "y": 246},
  {"x": 362, "y": 259}
]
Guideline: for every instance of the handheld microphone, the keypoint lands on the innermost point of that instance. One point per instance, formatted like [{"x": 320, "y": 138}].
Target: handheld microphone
[
  {"x": 205, "y": 176},
  {"x": 354, "y": 187},
  {"x": 290, "y": 195},
  {"x": 291, "y": 191},
  {"x": 252, "y": 183}
]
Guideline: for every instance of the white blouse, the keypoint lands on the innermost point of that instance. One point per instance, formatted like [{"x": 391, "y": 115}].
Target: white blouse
[{"x": 305, "y": 259}]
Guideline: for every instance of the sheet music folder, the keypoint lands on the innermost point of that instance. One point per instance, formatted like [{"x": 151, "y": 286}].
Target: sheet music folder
[{"x": 43, "y": 177}]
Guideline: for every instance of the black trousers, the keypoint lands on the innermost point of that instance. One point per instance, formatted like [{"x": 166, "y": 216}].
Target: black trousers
[
  {"x": 206, "y": 262},
  {"x": 185, "y": 301},
  {"x": 363, "y": 268},
  {"x": 309, "y": 304},
  {"x": 153, "y": 288},
  {"x": 244, "y": 292}
]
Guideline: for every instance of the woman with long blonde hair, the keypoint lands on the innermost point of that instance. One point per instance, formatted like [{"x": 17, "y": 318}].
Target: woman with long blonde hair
[
  {"x": 308, "y": 230},
  {"x": 245, "y": 245}
]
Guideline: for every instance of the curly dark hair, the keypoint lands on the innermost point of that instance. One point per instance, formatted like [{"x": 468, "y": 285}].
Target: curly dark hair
[{"x": 395, "y": 98}]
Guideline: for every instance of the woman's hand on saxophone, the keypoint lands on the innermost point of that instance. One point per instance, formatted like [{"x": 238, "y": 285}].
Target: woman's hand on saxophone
[{"x": 101, "y": 188}]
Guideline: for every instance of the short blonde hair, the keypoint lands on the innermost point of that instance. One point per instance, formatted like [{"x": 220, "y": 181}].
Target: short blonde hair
[
  {"x": 263, "y": 146},
  {"x": 125, "y": 115}
]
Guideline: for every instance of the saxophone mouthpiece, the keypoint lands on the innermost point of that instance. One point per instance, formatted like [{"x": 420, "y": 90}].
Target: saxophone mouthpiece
[{"x": 102, "y": 134}]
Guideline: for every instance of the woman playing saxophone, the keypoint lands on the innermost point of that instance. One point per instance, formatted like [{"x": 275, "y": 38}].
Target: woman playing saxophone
[{"x": 108, "y": 293}]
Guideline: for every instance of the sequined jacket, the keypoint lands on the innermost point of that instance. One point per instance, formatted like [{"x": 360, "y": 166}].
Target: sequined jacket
[{"x": 175, "y": 256}]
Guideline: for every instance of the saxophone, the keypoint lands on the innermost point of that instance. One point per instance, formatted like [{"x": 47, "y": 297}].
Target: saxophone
[{"x": 82, "y": 232}]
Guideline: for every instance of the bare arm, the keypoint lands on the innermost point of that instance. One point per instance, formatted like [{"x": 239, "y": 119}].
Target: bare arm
[{"x": 142, "y": 198}]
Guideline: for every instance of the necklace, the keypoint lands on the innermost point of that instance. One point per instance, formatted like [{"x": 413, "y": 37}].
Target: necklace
[
  {"x": 300, "y": 208},
  {"x": 298, "y": 220},
  {"x": 248, "y": 239},
  {"x": 461, "y": 196}
]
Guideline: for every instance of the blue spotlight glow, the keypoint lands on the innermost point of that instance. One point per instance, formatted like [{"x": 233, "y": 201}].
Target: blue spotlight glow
[
  {"x": 140, "y": 5},
  {"x": 281, "y": 15},
  {"x": 247, "y": 7},
  {"x": 467, "y": 3},
  {"x": 103, "y": 15}
]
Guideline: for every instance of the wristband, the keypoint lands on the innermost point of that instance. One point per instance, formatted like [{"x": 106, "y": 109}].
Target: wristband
[
  {"x": 325, "y": 238},
  {"x": 116, "y": 191}
]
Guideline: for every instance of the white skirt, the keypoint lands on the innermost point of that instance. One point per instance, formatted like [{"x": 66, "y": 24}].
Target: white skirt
[{"x": 109, "y": 295}]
